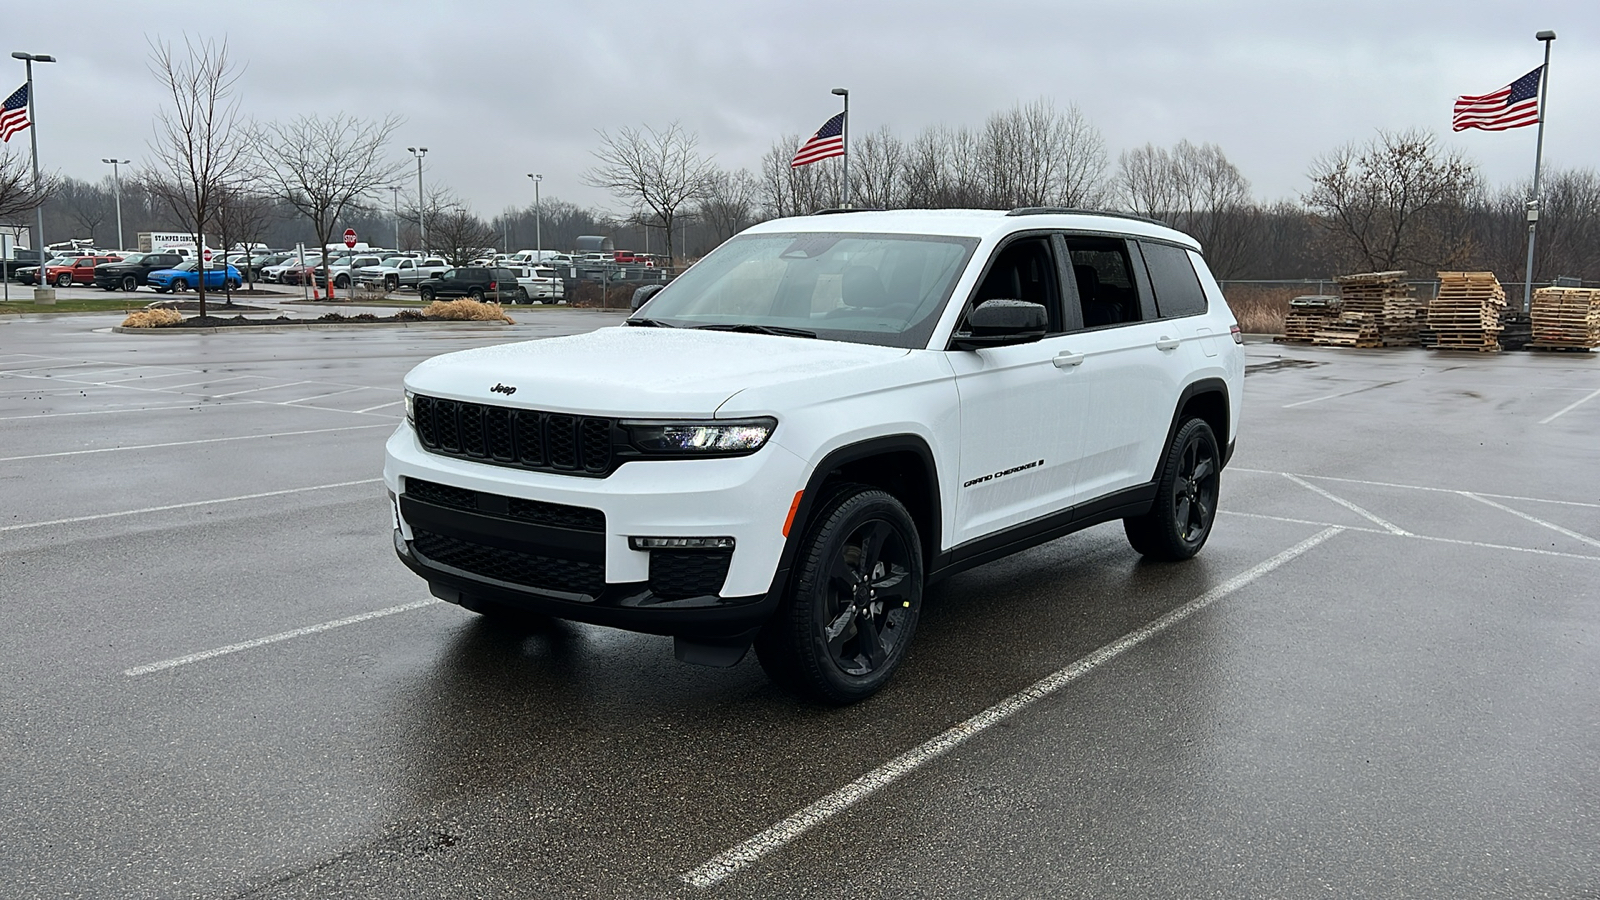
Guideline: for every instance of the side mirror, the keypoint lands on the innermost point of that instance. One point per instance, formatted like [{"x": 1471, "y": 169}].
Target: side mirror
[
  {"x": 1001, "y": 323},
  {"x": 641, "y": 296}
]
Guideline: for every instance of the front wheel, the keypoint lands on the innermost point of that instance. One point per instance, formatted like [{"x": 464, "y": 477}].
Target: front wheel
[
  {"x": 341, "y": 282},
  {"x": 1186, "y": 497},
  {"x": 426, "y": 294},
  {"x": 64, "y": 280},
  {"x": 233, "y": 283},
  {"x": 844, "y": 625},
  {"x": 180, "y": 285},
  {"x": 391, "y": 283},
  {"x": 130, "y": 283}
]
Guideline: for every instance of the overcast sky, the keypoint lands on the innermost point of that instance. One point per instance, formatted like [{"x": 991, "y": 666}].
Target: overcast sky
[{"x": 500, "y": 89}]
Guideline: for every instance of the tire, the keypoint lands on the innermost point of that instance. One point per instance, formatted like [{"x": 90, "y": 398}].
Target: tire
[
  {"x": 521, "y": 296},
  {"x": 391, "y": 283},
  {"x": 1186, "y": 497},
  {"x": 475, "y": 294},
  {"x": 130, "y": 283},
  {"x": 860, "y": 562},
  {"x": 64, "y": 280},
  {"x": 234, "y": 283},
  {"x": 341, "y": 282},
  {"x": 425, "y": 294},
  {"x": 179, "y": 284}
]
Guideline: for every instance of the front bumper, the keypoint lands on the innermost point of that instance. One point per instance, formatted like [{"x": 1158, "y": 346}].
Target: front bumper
[{"x": 478, "y": 531}]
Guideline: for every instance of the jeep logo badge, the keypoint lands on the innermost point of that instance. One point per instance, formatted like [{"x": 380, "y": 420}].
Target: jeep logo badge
[{"x": 506, "y": 389}]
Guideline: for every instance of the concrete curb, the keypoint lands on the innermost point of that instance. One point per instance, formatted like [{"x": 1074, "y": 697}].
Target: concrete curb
[{"x": 281, "y": 327}]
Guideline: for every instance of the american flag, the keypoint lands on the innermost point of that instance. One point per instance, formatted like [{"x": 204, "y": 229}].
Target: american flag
[
  {"x": 827, "y": 142},
  {"x": 1513, "y": 106},
  {"x": 14, "y": 114}
]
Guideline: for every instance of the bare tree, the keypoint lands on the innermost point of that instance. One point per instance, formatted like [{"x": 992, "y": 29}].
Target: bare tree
[
  {"x": 1394, "y": 202},
  {"x": 244, "y": 216},
  {"x": 19, "y": 196},
  {"x": 1038, "y": 155},
  {"x": 455, "y": 230},
  {"x": 1196, "y": 190},
  {"x": 657, "y": 171},
  {"x": 789, "y": 191},
  {"x": 324, "y": 166},
  {"x": 200, "y": 149},
  {"x": 877, "y": 170},
  {"x": 88, "y": 204},
  {"x": 728, "y": 205}
]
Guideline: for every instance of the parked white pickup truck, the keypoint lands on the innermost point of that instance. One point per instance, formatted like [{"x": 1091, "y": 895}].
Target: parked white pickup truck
[
  {"x": 539, "y": 283},
  {"x": 403, "y": 271}
]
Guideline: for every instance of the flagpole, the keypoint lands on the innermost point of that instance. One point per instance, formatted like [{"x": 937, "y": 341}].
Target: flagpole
[
  {"x": 1548, "y": 37},
  {"x": 42, "y": 293},
  {"x": 844, "y": 135}
]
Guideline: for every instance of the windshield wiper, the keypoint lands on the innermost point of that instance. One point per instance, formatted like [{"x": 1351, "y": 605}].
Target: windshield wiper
[
  {"x": 748, "y": 328},
  {"x": 650, "y": 323}
]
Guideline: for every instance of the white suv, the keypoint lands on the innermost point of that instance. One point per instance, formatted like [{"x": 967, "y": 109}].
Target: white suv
[{"x": 787, "y": 444}]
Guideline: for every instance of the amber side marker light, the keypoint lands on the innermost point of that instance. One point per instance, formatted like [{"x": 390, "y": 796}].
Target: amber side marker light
[{"x": 793, "y": 508}]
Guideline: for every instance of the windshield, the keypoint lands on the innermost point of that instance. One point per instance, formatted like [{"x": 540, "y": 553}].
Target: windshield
[
  {"x": 134, "y": 257},
  {"x": 864, "y": 288},
  {"x": 184, "y": 267}
]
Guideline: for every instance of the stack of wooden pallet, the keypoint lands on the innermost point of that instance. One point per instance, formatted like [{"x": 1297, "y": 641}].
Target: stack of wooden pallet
[
  {"x": 1307, "y": 316},
  {"x": 1466, "y": 314},
  {"x": 1376, "y": 309},
  {"x": 1566, "y": 318}
]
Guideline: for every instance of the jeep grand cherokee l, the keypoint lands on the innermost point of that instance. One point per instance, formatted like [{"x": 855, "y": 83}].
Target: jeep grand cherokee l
[{"x": 787, "y": 444}]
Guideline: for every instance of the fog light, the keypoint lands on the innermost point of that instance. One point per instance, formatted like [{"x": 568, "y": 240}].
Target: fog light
[{"x": 681, "y": 543}]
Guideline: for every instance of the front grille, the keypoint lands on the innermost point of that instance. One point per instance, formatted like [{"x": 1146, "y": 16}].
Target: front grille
[
  {"x": 555, "y": 515},
  {"x": 524, "y": 438},
  {"x": 680, "y": 574},
  {"x": 527, "y": 569}
]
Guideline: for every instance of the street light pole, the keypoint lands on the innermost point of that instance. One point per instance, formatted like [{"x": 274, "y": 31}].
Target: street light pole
[
  {"x": 116, "y": 187},
  {"x": 422, "y": 223},
  {"x": 538, "y": 237},
  {"x": 1547, "y": 37},
  {"x": 41, "y": 293},
  {"x": 845, "y": 138}
]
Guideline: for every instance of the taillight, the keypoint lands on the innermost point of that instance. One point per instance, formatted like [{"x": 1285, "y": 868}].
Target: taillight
[
  {"x": 1238, "y": 336},
  {"x": 493, "y": 286}
]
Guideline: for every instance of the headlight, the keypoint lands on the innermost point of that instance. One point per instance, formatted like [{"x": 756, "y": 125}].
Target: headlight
[
  {"x": 411, "y": 412},
  {"x": 731, "y": 437}
]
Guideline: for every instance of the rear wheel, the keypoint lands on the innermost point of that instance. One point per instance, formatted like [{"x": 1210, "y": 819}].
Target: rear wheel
[
  {"x": 846, "y": 620},
  {"x": 1186, "y": 497},
  {"x": 341, "y": 282},
  {"x": 521, "y": 296},
  {"x": 475, "y": 294}
]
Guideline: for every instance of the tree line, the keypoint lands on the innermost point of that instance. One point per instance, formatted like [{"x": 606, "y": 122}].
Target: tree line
[{"x": 1396, "y": 201}]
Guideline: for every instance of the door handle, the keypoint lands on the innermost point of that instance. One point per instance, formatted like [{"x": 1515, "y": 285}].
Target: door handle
[
  {"x": 1166, "y": 343},
  {"x": 1067, "y": 358}
]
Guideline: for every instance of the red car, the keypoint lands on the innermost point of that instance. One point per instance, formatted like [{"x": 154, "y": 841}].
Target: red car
[
  {"x": 629, "y": 258},
  {"x": 79, "y": 271}
]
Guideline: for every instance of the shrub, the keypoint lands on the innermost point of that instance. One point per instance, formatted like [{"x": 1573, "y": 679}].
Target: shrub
[
  {"x": 1261, "y": 309},
  {"x": 466, "y": 310},
  {"x": 153, "y": 318}
]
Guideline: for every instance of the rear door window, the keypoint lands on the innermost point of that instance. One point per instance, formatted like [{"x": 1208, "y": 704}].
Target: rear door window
[
  {"x": 1172, "y": 278},
  {"x": 1108, "y": 290}
]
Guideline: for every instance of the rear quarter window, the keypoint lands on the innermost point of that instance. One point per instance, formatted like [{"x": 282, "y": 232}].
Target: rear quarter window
[{"x": 1172, "y": 277}]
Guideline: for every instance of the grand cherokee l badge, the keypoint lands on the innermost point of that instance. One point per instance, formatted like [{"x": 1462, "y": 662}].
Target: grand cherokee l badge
[{"x": 506, "y": 389}]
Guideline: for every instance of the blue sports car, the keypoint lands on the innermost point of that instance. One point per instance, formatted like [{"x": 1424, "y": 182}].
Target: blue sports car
[{"x": 187, "y": 275}]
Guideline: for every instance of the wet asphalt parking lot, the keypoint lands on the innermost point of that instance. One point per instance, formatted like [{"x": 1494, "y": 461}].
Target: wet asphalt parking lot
[{"x": 1379, "y": 679}]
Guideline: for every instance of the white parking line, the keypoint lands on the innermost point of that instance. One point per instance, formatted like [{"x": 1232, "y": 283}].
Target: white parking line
[
  {"x": 735, "y": 859},
  {"x": 220, "y": 440},
  {"x": 1416, "y": 537},
  {"x": 274, "y": 638},
  {"x": 1548, "y": 419},
  {"x": 189, "y": 505},
  {"x": 1416, "y": 487},
  {"x": 267, "y": 388},
  {"x": 1386, "y": 525},
  {"x": 1370, "y": 387},
  {"x": 329, "y": 394},
  {"x": 1522, "y": 515},
  {"x": 101, "y": 412},
  {"x": 381, "y": 406}
]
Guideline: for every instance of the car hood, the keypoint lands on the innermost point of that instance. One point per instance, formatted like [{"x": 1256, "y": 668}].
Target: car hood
[{"x": 630, "y": 371}]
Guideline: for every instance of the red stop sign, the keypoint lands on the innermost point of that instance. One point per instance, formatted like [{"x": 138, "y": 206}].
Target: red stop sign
[
  {"x": 208, "y": 254},
  {"x": 350, "y": 238}
]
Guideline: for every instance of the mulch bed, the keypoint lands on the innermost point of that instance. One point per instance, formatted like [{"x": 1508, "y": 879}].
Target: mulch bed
[{"x": 404, "y": 315}]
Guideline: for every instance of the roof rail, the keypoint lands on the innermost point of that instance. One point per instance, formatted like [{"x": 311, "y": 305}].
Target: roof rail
[
  {"x": 1070, "y": 211},
  {"x": 835, "y": 210}
]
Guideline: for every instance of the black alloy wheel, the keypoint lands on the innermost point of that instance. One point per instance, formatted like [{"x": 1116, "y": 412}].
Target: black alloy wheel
[
  {"x": 1186, "y": 497},
  {"x": 341, "y": 282},
  {"x": 521, "y": 296},
  {"x": 844, "y": 625}
]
